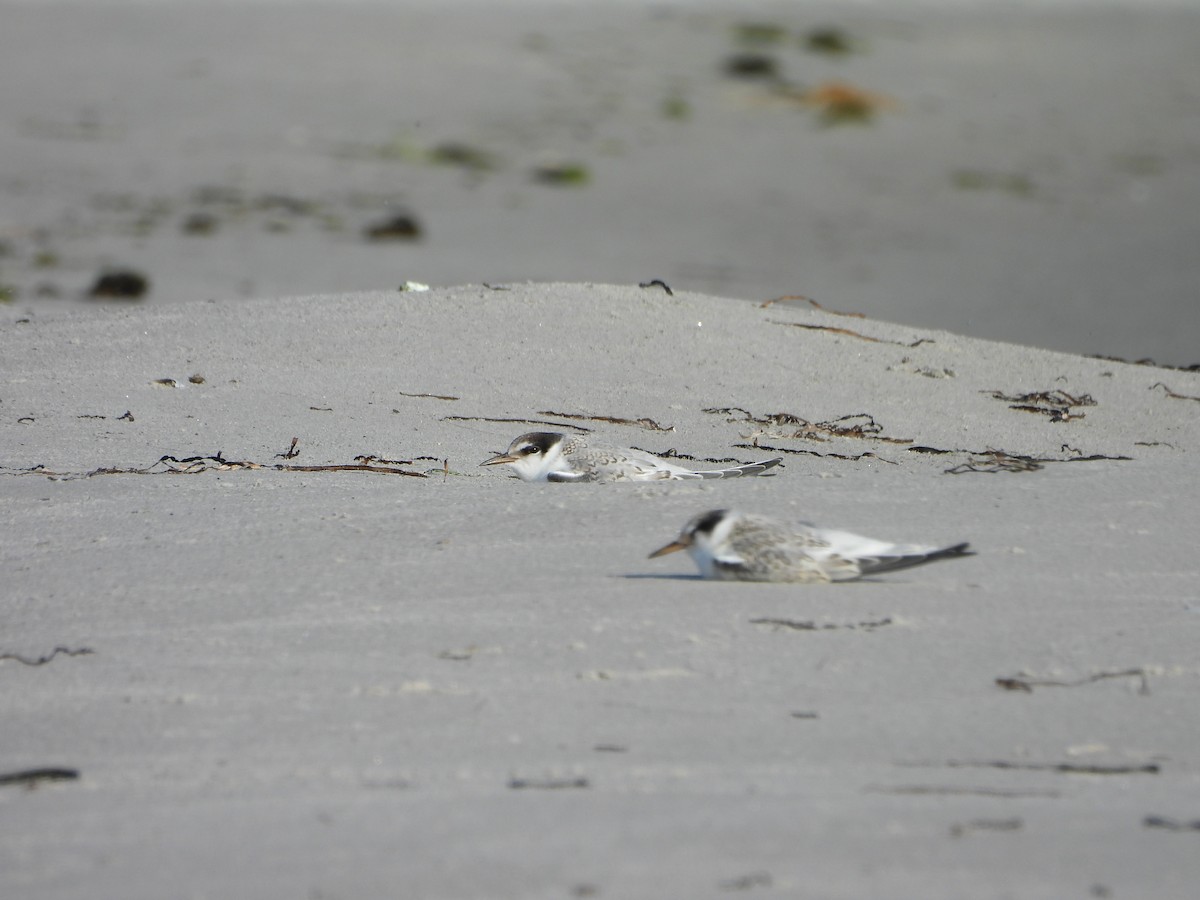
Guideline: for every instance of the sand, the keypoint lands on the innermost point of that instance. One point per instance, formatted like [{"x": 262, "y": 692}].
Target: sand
[
  {"x": 277, "y": 682},
  {"x": 268, "y": 630}
]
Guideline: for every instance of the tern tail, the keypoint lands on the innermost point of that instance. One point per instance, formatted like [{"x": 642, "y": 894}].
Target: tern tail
[
  {"x": 757, "y": 468},
  {"x": 892, "y": 563}
]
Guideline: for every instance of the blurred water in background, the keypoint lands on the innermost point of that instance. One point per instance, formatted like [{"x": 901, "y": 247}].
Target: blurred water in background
[{"x": 1027, "y": 174}]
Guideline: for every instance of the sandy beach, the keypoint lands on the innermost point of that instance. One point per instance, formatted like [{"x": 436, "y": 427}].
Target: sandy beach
[
  {"x": 278, "y": 681},
  {"x": 267, "y": 628}
]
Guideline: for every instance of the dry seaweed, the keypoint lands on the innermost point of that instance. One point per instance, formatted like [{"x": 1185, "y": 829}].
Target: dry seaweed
[
  {"x": 194, "y": 465},
  {"x": 829, "y": 40},
  {"x": 961, "y": 829},
  {"x": 983, "y": 461},
  {"x": 291, "y": 452},
  {"x": 1170, "y": 393},
  {"x": 1171, "y": 824},
  {"x": 788, "y": 425},
  {"x": 1026, "y": 684},
  {"x": 752, "y": 66},
  {"x": 657, "y": 282},
  {"x": 547, "y": 784},
  {"x": 397, "y": 227},
  {"x": 849, "y": 457},
  {"x": 992, "y": 461},
  {"x": 45, "y": 658},
  {"x": 120, "y": 284},
  {"x": 429, "y": 396},
  {"x": 840, "y": 103},
  {"x": 810, "y": 625},
  {"x": 648, "y": 424},
  {"x": 579, "y": 428},
  {"x": 1055, "y": 404},
  {"x": 1069, "y": 768},
  {"x": 563, "y": 174},
  {"x": 940, "y": 790},
  {"x": 811, "y": 302},
  {"x": 854, "y": 334},
  {"x": 1146, "y": 361},
  {"x": 32, "y": 777}
]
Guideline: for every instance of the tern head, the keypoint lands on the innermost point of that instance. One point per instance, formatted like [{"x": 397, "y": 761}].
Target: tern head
[
  {"x": 705, "y": 537},
  {"x": 533, "y": 456}
]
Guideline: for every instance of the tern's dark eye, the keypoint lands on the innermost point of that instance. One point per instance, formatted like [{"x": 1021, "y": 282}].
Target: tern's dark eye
[{"x": 528, "y": 450}]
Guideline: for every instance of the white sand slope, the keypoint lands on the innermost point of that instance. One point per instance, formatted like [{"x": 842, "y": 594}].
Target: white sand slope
[{"x": 336, "y": 681}]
